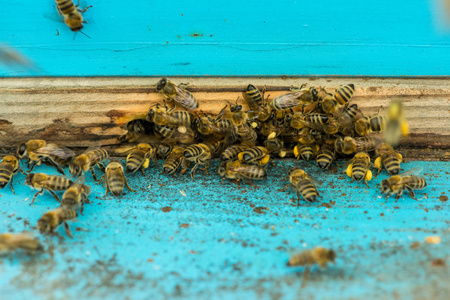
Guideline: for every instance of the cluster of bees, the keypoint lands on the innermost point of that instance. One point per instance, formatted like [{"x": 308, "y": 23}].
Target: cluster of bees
[{"x": 304, "y": 123}]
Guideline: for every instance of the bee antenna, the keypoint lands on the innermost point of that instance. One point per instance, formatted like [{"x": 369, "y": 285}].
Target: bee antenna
[
  {"x": 237, "y": 100},
  {"x": 84, "y": 34},
  {"x": 74, "y": 35}
]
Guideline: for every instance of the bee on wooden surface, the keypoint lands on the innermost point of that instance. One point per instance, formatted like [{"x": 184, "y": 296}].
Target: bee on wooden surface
[
  {"x": 259, "y": 155},
  {"x": 396, "y": 124},
  {"x": 307, "y": 258},
  {"x": 207, "y": 126},
  {"x": 165, "y": 116},
  {"x": 87, "y": 161},
  {"x": 303, "y": 184},
  {"x": 232, "y": 152},
  {"x": 349, "y": 145},
  {"x": 8, "y": 168},
  {"x": 10, "y": 242},
  {"x": 255, "y": 101},
  {"x": 115, "y": 179},
  {"x": 72, "y": 14},
  {"x": 240, "y": 171},
  {"x": 136, "y": 129},
  {"x": 344, "y": 94},
  {"x": 50, "y": 183},
  {"x": 294, "y": 98},
  {"x": 140, "y": 158},
  {"x": 359, "y": 168},
  {"x": 179, "y": 94},
  {"x": 38, "y": 151},
  {"x": 325, "y": 157},
  {"x": 49, "y": 221},
  {"x": 397, "y": 184},
  {"x": 201, "y": 154},
  {"x": 239, "y": 120},
  {"x": 306, "y": 152},
  {"x": 76, "y": 195},
  {"x": 389, "y": 158},
  {"x": 174, "y": 160}
]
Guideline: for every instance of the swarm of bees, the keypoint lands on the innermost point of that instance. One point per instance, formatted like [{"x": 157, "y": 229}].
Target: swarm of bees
[{"x": 305, "y": 124}]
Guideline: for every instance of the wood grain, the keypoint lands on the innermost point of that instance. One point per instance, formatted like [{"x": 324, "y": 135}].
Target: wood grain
[{"x": 76, "y": 112}]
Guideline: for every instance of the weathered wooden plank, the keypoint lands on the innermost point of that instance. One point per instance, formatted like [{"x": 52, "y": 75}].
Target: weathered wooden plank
[{"x": 79, "y": 111}]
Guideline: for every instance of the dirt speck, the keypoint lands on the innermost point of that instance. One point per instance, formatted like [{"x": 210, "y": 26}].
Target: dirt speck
[
  {"x": 196, "y": 35},
  {"x": 443, "y": 198},
  {"x": 184, "y": 225},
  {"x": 167, "y": 209},
  {"x": 382, "y": 215},
  {"x": 192, "y": 252},
  {"x": 260, "y": 210},
  {"x": 414, "y": 245},
  {"x": 329, "y": 204},
  {"x": 438, "y": 262},
  {"x": 4, "y": 122}
]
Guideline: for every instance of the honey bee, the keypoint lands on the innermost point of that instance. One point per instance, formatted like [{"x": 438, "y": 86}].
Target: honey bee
[
  {"x": 328, "y": 103},
  {"x": 317, "y": 118},
  {"x": 165, "y": 131},
  {"x": 140, "y": 158},
  {"x": 370, "y": 124},
  {"x": 168, "y": 117},
  {"x": 306, "y": 136},
  {"x": 389, "y": 158},
  {"x": 396, "y": 124},
  {"x": 87, "y": 161},
  {"x": 201, "y": 154},
  {"x": 344, "y": 94},
  {"x": 275, "y": 145},
  {"x": 76, "y": 195},
  {"x": 179, "y": 94},
  {"x": 50, "y": 183},
  {"x": 182, "y": 135},
  {"x": 114, "y": 178},
  {"x": 325, "y": 157},
  {"x": 136, "y": 129},
  {"x": 397, "y": 184},
  {"x": 239, "y": 171},
  {"x": 25, "y": 241},
  {"x": 49, "y": 221},
  {"x": 306, "y": 152},
  {"x": 239, "y": 120},
  {"x": 174, "y": 160},
  {"x": 258, "y": 154},
  {"x": 163, "y": 150},
  {"x": 72, "y": 14},
  {"x": 294, "y": 98},
  {"x": 232, "y": 152},
  {"x": 8, "y": 168},
  {"x": 349, "y": 145},
  {"x": 345, "y": 119},
  {"x": 38, "y": 151},
  {"x": 358, "y": 168},
  {"x": 255, "y": 101},
  {"x": 207, "y": 126},
  {"x": 303, "y": 184},
  {"x": 320, "y": 256}
]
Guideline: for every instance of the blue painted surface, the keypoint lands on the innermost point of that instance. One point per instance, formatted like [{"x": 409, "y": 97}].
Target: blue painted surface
[
  {"x": 232, "y": 38},
  {"x": 214, "y": 244}
]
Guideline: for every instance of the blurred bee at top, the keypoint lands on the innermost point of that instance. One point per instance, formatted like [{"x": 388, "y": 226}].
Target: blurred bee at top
[
  {"x": 255, "y": 101},
  {"x": 201, "y": 154},
  {"x": 115, "y": 179},
  {"x": 303, "y": 184},
  {"x": 165, "y": 116},
  {"x": 140, "y": 158},
  {"x": 8, "y": 168},
  {"x": 294, "y": 98},
  {"x": 49, "y": 221},
  {"x": 179, "y": 94},
  {"x": 38, "y": 151},
  {"x": 72, "y": 14},
  {"x": 359, "y": 167},
  {"x": 174, "y": 160},
  {"x": 240, "y": 171},
  {"x": 136, "y": 129},
  {"x": 76, "y": 195},
  {"x": 12, "y": 58},
  {"x": 387, "y": 157},
  {"x": 397, "y": 184},
  {"x": 50, "y": 183},
  {"x": 396, "y": 124},
  {"x": 10, "y": 242},
  {"x": 86, "y": 161}
]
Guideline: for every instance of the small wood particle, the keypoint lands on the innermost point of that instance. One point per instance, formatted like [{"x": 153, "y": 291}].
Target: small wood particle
[
  {"x": 433, "y": 239},
  {"x": 167, "y": 209},
  {"x": 184, "y": 225},
  {"x": 443, "y": 198}
]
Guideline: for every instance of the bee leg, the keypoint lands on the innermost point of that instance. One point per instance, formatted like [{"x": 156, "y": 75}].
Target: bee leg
[
  {"x": 238, "y": 182},
  {"x": 126, "y": 184},
  {"x": 193, "y": 169},
  {"x": 107, "y": 189},
  {"x": 82, "y": 208},
  {"x": 101, "y": 167},
  {"x": 143, "y": 171},
  {"x": 298, "y": 199},
  {"x": 67, "y": 229},
  {"x": 35, "y": 195},
  {"x": 285, "y": 188},
  {"x": 33, "y": 164},
  {"x": 56, "y": 166},
  {"x": 93, "y": 175},
  {"x": 183, "y": 85},
  {"x": 305, "y": 276},
  {"x": 101, "y": 179},
  {"x": 11, "y": 184},
  {"x": 54, "y": 195},
  {"x": 21, "y": 171},
  {"x": 410, "y": 191}
]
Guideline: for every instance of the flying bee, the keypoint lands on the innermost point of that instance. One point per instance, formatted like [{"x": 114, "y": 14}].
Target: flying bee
[
  {"x": 179, "y": 94},
  {"x": 38, "y": 151},
  {"x": 87, "y": 161},
  {"x": 76, "y": 195},
  {"x": 349, "y": 145},
  {"x": 136, "y": 129},
  {"x": 201, "y": 154},
  {"x": 325, "y": 157},
  {"x": 49, "y": 221},
  {"x": 397, "y": 184},
  {"x": 240, "y": 171},
  {"x": 72, "y": 14},
  {"x": 25, "y": 241},
  {"x": 344, "y": 94},
  {"x": 232, "y": 152},
  {"x": 174, "y": 160},
  {"x": 396, "y": 124},
  {"x": 387, "y": 157},
  {"x": 294, "y": 98},
  {"x": 140, "y": 158},
  {"x": 303, "y": 184},
  {"x": 320, "y": 256},
  {"x": 8, "y": 168},
  {"x": 306, "y": 152},
  {"x": 114, "y": 178},
  {"x": 258, "y": 154},
  {"x": 359, "y": 167},
  {"x": 165, "y": 116},
  {"x": 50, "y": 183}
]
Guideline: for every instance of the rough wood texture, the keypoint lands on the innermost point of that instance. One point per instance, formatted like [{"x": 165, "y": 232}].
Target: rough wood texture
[{"x": 78, "y": 111}]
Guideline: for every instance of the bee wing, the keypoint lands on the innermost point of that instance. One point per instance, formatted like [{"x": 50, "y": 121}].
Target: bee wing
[
  {"x": 183, "y": 97},
  {"x": 124, "y": 150},
  {"x": 413, "y": 171},
  {"x": 316, "y": 183},
  {"x": 55, "y": 150},
  {"x": 80, "y": 180},
  {"x": 95, "y": 146}
]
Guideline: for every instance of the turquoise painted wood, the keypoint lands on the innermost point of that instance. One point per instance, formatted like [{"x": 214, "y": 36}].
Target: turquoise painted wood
[
  {"x": 231, "y": 38},
  {"x": 221, "y": 242}
]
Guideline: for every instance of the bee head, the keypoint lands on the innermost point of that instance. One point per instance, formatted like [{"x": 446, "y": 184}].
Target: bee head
[
  {"x": 29, "y": 179},
  {"x": 22, "y": 150},
  {"x": 331, "y": 255},
  {"x": 75, "y": 170},
  {"x": 314, "y": 93},
  {"x": 161, "y": 84},
  {"x": 222, "y": 169},
  {"x": 43, "y": 226}
]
